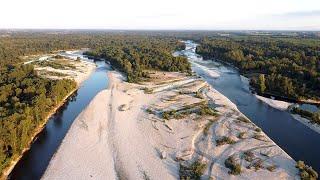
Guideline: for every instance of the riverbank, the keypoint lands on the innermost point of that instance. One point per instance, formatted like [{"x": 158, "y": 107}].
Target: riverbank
[
  {"x": 150, "y": 130},
  {"x": 281, "y": 105},
  {"x": 80, "y": 75}
]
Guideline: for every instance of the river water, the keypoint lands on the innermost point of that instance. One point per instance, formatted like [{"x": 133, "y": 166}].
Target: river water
[
  {"x": 299, "y": 141},
  {"x": 34, "y": 162}
]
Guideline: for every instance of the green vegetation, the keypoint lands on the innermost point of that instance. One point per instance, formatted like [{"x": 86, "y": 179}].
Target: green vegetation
[
  {"x": 314, "y": 117},
  {"x": 194, "y": 171},
  {"x": 306, "y": 172},
  {"x": 25, "y": 101},
  {"x": 135, "y": 54},
  {"x": 201, "y": 108},
  {"x": 288, "y": 67},
  {"x": 235, "y": 168},
  {"x": 224, "y": 140}
]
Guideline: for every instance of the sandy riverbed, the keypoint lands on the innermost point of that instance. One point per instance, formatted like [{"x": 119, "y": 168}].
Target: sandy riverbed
[{"x": 108, "y": 141}]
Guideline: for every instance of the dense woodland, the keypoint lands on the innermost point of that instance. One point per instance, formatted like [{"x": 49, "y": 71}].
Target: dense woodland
[
  {"x": 25, "y": 101},
  {"x": 282, "y": 66},
  {"x": 136, "y": 54}
]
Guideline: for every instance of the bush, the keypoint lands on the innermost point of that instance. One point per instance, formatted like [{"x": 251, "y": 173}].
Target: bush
[
  {"x": 248, "y": 156},
  {"x": 224, "y": 140},
  {"x": 194, "y": 171},
  {"x": 235, "y": 168}
]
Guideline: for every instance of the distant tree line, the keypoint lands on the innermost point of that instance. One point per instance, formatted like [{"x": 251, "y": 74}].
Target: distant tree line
[
  {"x": 136, "y": 54},
  {"x": 281, "y": 66}
]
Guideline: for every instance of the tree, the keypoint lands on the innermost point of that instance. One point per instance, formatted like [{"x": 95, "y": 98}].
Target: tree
[{"x": 262, "y": 83}]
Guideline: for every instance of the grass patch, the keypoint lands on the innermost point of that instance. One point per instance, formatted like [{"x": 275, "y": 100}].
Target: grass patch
[
  {"x": 235, "y": 168},
  {"x": 194, "y": 171},
  {"x": 224, "y": 140}
]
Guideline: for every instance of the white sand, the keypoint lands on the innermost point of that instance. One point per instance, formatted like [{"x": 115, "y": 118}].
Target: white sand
[
  {"x": 106, "y": 143},
  {"x": 281, "y": 105},
  {"x": 79, "y": 74}
]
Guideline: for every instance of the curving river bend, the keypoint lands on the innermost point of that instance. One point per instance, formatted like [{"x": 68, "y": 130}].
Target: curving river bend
[{"x": 299, "y": 141}]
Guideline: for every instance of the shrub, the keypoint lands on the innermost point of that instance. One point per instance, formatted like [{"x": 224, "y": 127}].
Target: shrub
[
  {"x": 248, "y": 156},
  {"x": 194, "y": 171},
  {"x": 235, "y": 168},
  {"x": 205, "y": 110},
  {"x": 224, "y": 140}
]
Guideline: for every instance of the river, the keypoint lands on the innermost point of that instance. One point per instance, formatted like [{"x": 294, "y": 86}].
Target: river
[
  {"x": 299, "y": 141},
  {"x": 35, "y": 161}
]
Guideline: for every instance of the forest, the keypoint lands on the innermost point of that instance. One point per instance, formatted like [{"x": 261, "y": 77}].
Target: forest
[
  {"x": 25, "y": 101},
  {"x": 135, "y": 54},
  {"x": 281, "y": 66}
]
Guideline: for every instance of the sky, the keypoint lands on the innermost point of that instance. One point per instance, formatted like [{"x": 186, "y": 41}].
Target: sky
[{"x": 161, "y": 14}]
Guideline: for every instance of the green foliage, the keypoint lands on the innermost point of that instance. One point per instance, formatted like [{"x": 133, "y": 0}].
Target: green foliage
[
  {"x": 194, "y": 171},
  {"x": 25, "y": 101},
  {"x": 235, "y": 168},
  {"x": 313, "y": 116},
  {"x": 262, "y": 83},
  {"x": 134, "y": 54},
  {"x": 306, "y": 172},
  {"x": 291, "y": 66},
  {"x": 224, "y": 140}
]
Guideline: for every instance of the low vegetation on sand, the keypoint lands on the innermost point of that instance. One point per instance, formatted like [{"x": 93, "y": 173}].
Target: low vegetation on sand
[
  {"x": 233, "y": 165},
  {"x": 224, "y": 140},
  {"x": 194, "y": 171},
  {"x": 306, "y": 172},
  {"x": 201, "y": 108}
]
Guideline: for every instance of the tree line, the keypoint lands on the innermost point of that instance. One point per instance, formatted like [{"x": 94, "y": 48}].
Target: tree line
[
  {"x": 287, "y": 67},
  {"x": 136, "y": 54}
]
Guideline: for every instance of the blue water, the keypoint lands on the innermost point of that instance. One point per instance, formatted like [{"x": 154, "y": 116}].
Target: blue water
[{"x": 299, "y": 141}]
